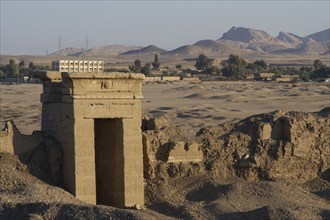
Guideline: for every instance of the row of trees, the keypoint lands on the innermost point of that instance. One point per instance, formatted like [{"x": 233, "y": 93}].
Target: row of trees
[
  {"x": 237, "y": 68},
  {"x": 14, "y": 70},
  {"x": 320, "y": 70},
  {"x": 146, "y": 69},
  {"x": 234, "y": 68}
]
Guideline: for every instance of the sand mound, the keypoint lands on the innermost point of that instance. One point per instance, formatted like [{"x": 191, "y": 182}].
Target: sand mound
[{"x": 202, "y": 197}]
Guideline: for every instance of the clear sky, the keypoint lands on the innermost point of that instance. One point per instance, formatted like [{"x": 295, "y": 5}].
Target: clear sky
[{"x": 32, "y": 27}]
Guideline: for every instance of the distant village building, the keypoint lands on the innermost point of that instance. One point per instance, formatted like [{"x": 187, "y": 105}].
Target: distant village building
[
  {"x": 264, "y": 76},
  {"x": 78, "y": 66},
  {"x": 248, "y": 77},
  {"x": 286, "y": 78}
]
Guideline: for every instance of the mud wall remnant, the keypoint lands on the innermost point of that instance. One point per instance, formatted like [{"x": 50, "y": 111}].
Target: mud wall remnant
[
  {"x": 12, "y": 141},
  {"x": 276, "y": 146}
]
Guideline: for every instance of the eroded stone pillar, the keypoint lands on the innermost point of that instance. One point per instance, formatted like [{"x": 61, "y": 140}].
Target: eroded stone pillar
[{"x": 133, "y": 172}]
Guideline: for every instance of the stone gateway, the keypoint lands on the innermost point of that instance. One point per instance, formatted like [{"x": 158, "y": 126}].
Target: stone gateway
[{"x": 97, "y": 120}]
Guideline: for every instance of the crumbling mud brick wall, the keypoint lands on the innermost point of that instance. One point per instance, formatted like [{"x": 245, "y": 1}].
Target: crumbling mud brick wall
[
  {"x": 97, "y": 120},
  {"x": 12, "y": 141}
]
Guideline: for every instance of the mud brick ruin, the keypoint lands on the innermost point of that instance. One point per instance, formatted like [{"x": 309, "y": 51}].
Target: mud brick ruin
[{"x": 96, "y": 118}]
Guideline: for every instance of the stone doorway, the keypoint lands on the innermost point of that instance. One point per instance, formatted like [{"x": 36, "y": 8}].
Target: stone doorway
[
  {"x": 96, "y": 118},
  {"x": 109, "y": 159}
]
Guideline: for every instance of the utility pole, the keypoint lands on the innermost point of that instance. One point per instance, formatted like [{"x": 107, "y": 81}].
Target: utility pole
[
  {"x": 87, "y": 42},
  {"x": 59, "y": 43}
]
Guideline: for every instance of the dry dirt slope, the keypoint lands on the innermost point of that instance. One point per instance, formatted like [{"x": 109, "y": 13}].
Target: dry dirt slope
[
  {"x": 23, "y": 196},
  {"x": 268, "y": 166}
]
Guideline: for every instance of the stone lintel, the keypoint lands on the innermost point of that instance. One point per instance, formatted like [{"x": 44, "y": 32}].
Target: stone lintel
[
  {"x": 108, "y": 110},
  {"x": 46, "y": 75}
]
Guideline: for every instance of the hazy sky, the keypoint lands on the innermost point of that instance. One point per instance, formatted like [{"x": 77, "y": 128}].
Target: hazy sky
[{"x": 32, "y": 27}]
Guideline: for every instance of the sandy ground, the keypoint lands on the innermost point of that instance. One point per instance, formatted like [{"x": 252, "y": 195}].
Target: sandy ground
[
  {"x": 196, "y": 105},
  {"x": 188, "y": 105},
  {"x": 22, "y": 104}
]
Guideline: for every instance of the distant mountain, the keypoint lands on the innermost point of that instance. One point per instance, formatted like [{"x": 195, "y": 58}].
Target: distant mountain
[
  {"x": 70, "y": 51},
  {"x": 145, "y": 50},
  {"x": 110, "y": 50},
  {"x": 186, "y": 51},
  {"x": 236, "y": 40},
  {"x": 309, "y": 47},
  {"x": 209, "y": 48},
  {"x": 289, "y": 38},
  {"x": 247, "y": 35},
  {"x": 320, "y": 36},
  {"x": 326, "y": 53},
  {"x": 207, "y": 42},
  {"x": 260, "y": 41}
]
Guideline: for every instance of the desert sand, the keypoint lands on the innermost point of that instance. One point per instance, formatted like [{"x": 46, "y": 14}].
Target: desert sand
[
  {"x": 188, "y": 105},
  {"x": 270, "y": 179},
  {"x": 196, "y": 105}
]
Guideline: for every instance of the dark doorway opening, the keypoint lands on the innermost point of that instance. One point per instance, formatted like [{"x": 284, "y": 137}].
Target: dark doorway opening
[{"x": 109, "y": 162}]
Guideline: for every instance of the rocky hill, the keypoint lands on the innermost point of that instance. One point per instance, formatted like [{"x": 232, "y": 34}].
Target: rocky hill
[
  {"x": 289, "y": 38},
  {"x": 108, "y": 50},
  {"x": 308, "y": 47},
  {"x": 320, "y": 36},
  {"x": 205, "y": 43},
  {"x": 236, "y": 40},
  {"x": 210, "y": 48},
  {"x": 248, "y": 35},
  {"x": 151, "y": 49},
  {"x": 239, "y": 40},
  {"x": 70, "y": 51}
]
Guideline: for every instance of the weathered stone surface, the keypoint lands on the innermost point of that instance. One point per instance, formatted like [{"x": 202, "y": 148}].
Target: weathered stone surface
[
  {"x": 265, "y": 131},
  {"x": 184, "y": 152},
  {"x": 164, "y": 157},
  {"x": 278, "y": 146},
  {"x": 289, "y": 146},
  {"x": 154, "y": 123},
  {"x": 96, "y": 118}
]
